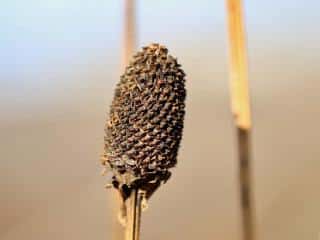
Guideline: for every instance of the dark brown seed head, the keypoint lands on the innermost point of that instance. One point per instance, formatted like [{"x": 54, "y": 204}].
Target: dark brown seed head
[{"x": 145, "y": 125}]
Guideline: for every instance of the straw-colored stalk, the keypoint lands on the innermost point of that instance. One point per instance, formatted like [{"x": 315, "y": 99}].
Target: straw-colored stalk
[
  {"x": 128, "y": 46},
  {"x": 239, "y": 92},
  {"x": 134, "y": 207}
]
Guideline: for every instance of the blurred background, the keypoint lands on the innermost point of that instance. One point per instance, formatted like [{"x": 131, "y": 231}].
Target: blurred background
[{"x": 60, "y": 61}]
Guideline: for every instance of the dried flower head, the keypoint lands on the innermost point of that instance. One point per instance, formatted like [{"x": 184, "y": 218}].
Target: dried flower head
[{"x": 145, "y": 125}]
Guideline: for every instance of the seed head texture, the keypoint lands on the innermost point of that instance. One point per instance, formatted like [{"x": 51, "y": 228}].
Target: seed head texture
[{"x": 144, "y": 129}]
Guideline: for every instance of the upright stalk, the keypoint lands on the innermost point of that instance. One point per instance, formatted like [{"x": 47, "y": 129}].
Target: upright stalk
[
  {"x": 129, "y": 41},
  {"x": 129, "y": 34},
  {"x": 239, "y": 92},
  {"x": 128, "y": 46},
  {"x": 133, "y": 215}
]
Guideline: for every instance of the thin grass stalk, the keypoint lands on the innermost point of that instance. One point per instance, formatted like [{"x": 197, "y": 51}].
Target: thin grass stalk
[
  {"x": 134, "y": 206},
  {"x": 128, "y": 46},
  {"x": 239, "y": 93}
]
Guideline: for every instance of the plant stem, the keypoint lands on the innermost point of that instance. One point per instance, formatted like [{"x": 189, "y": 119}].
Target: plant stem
[
  {"x": 245, "y": 184},
  {"x": 241, "y": 110},
  {"x": 133, "y": 215}
]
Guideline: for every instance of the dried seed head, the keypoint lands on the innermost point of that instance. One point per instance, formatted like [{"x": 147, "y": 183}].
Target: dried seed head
[{"x": 145, "y": 125}]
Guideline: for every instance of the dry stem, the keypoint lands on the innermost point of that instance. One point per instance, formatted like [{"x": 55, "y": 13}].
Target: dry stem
[{"x": 241, "y": 110}]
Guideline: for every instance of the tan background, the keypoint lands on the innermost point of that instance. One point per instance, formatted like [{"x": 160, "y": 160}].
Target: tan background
[{"x": 61, "y": 61}]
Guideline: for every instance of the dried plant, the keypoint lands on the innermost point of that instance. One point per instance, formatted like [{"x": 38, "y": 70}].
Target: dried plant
[{"x": 145, "y": 125}]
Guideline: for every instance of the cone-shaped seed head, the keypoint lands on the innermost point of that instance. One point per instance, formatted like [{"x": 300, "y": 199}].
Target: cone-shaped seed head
[{"x": 145, "y": 125}]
